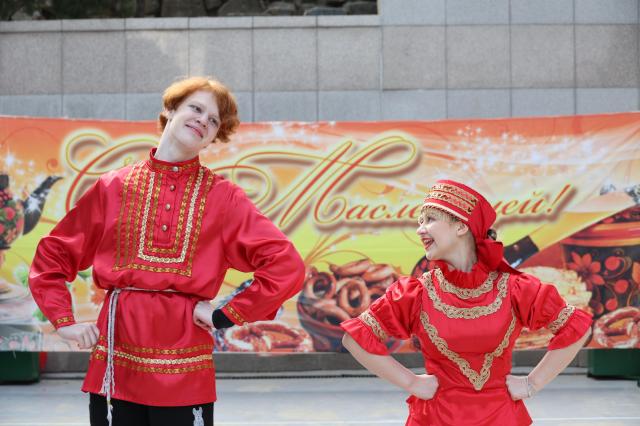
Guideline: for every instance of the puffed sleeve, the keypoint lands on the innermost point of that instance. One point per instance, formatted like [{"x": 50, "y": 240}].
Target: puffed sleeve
[
  {"x": 70, "y": 247},
  {"x": 254, "y": 244},
  {"x": 392, "y": 315},
  {"x": 539, "y": 305}
]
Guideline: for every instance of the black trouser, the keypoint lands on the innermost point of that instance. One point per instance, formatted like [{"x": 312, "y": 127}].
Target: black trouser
[{"x": 127, "y": 413}]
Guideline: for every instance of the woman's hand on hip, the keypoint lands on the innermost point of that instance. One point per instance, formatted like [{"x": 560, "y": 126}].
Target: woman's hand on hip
[
  {"x": 202, "y": 315},
  {"x": 519, "y": 387},
  {"x": 84, "y": 334},
  {"x": 423, "y": 386}
]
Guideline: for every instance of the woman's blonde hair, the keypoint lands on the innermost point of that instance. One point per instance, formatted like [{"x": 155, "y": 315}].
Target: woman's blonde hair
[
  {"x": 175, "y": 94},
  {"x": 439, "y": 214},
  {"x": 442, "y": 215}
]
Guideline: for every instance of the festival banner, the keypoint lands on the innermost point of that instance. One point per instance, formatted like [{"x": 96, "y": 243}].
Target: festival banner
[{"x": 348, "y": 194}]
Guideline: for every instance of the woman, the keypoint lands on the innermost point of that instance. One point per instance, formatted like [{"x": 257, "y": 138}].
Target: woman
[
  {"x": 160, "y": 235},
  {"x": 467, "y": 314}
]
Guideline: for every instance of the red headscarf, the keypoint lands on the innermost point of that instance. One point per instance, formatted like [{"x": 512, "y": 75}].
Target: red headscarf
[{"x": 475, "y": 211}]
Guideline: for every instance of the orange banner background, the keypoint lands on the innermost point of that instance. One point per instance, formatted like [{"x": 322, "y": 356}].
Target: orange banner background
[{"x": 352, "y": 190}]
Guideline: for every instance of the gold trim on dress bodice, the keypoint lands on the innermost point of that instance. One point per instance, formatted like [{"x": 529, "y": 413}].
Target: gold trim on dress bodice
[
  {"x": 455, "y": 312},
  {"x": 465, "y": 293},
  {"x": 477, "y": 379}
]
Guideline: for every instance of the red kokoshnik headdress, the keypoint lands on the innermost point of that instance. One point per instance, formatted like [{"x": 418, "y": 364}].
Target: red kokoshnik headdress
[{"x": 475, "y": 211}]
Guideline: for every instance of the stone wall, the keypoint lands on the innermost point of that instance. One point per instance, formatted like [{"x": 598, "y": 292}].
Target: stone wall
[{"x": 417, "y": 59}]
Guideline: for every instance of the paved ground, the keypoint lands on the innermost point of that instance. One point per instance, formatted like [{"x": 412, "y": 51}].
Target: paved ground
[{"x": 326, "y": 399}]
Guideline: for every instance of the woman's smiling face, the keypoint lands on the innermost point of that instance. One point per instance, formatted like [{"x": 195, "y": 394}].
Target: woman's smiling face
[{"x": 437, "y": 232}]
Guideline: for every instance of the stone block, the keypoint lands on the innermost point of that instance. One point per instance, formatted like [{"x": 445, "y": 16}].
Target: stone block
[
  {"x": 606, "y": 12},
  {"x": 596, "y": 101},
  {"x": 155, "y": 59},
  {"x": 414, "y": 105},
  {"x": 349, "y": 58},
  {"x": 607, "y": 55},
  {"x": 412, "y": 12},
  {"x": 286, "y": 106},
  {"x": 30, "y": 63},
  {"x": 224, "y": 54},
  {"x": 30, "y": 26},
  {"x": 542, "y": 12},
  {"x": 478, "y": 103},
  {"x": 413, "y": 57},
  {"x": 478, "y": 12},
  {"x": 542, "y": 102},
  {"x": 143, "y": 106},
  {"x": 92, "y": 25},
  {"x": 245, "y": 106},
  {"x": 217, "y": 22},
  {"x": 349, "y": 106},
  {"x": 152, "y": 24},
  {"x": 93, "y": 62},
  {"x": 284, "y": 21},
  {"x": 285, "y": 59},
  {"x": 542, "y": 56},
  {"x": 478, "y": 57},
  {"x": 31, "y": 105},
  {"x": 94, "y": 106}
]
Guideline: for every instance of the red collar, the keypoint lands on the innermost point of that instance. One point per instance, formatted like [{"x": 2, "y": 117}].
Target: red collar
[
  {"x": 189, "y": 166},
  {"x": 471, "y": 279}
]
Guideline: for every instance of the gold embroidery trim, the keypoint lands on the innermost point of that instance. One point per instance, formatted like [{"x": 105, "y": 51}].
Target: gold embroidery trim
[
  {"x": 154, "y": 192},
  {"x": 562, "y": 318},
  {"x": 199, "y": 216},
  {"x": 374, "y": 325},
  {"x": 466, "y": 293},
  {"x": 477, "y": 379},
  {"x": 119, "y": 227},
  {"x": 130, "y": 214},
  {"x": 139, "y": 190},
  {"x": 123, "y": 228},
  {"x": 186, "y": 273},
  {"x": 235, "y": 314},
  {"x": 156, "y": 361},
  {"x": 63, "y": 320},
  {"x": 466, "y": 313},
  {"x": 167, "y": 168},
  {"x": 159, "y": 351},
  {"x": 145, "y": 369},
  {"x": 459, "y": 192},
  {"x": 178, "y": 233},
  {"x": 450, "y": 199},
  {"x": 188, "y": 230}
]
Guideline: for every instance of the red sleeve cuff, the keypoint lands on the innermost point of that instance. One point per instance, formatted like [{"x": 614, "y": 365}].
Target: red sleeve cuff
[
  {"x": 577, "y": 325},
  {"x": 364, "y": 336},
  {"x": 233, "y": 315},
  {"x": 63, "y": 321}
]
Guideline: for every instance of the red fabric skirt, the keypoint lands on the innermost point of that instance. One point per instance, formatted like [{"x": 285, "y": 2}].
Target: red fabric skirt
[{"x": 456, "y": 406}]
